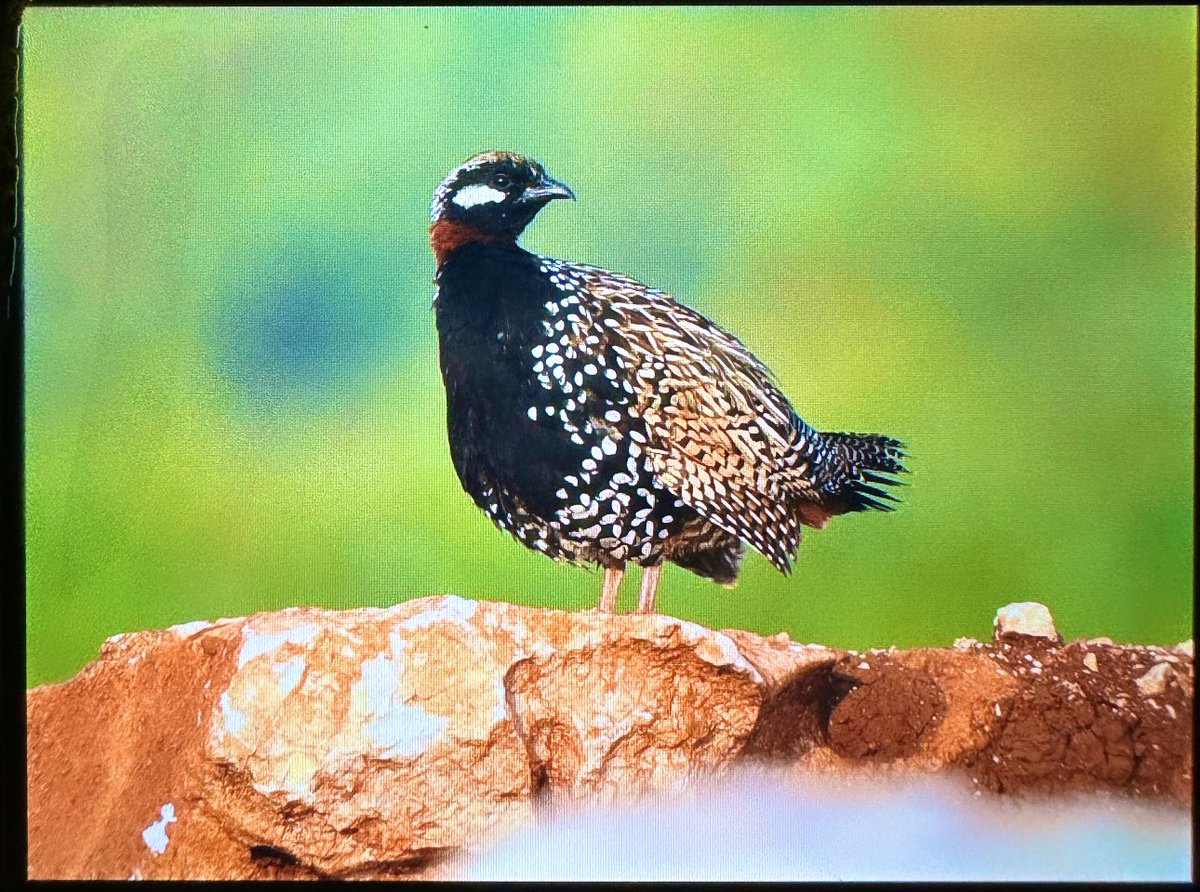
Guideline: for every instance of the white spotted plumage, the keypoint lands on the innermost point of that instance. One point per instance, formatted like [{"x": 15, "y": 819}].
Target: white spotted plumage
[{"x": 652, "y": 433}]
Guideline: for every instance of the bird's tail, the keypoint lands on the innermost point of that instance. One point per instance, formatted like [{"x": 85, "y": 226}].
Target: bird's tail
[{"x": 861, "y": 465}]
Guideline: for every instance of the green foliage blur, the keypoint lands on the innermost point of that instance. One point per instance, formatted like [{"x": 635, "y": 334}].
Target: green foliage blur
[{"x": 969, "y": 228}]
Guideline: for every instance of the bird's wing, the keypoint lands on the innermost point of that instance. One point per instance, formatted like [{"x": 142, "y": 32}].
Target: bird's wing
[{"x": 720, "y": 434}]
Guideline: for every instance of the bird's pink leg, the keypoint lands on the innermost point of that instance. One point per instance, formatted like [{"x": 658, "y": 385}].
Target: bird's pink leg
[
  {"x": 611, "y": 588},
  {"x": 649, "y": 588}
]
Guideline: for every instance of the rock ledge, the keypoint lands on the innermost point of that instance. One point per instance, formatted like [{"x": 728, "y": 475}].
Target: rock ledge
[{"x": 378, "y": 743}]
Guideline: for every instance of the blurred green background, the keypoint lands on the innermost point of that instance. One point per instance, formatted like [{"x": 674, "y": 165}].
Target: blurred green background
[{"x": 969, "y": 228}]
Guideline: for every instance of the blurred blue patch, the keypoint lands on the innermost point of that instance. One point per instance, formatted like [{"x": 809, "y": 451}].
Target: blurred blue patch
[{"x": 314, "y": 324}]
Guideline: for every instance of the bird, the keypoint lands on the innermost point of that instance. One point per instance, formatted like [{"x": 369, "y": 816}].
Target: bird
[{"x": 601, "y": 422}]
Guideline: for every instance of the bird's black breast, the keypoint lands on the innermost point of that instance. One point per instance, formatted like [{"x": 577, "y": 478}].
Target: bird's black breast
[{"x": 490, "y": 311}]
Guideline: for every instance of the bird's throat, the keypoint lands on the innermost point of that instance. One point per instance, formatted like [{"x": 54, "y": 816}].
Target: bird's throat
[{"x": 446, "y": 235}]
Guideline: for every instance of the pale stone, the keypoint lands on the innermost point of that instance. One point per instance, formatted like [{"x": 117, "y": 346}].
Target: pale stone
[
  {"x": 1156, "y": 678},
  {"x": 1025, "y": 618}
]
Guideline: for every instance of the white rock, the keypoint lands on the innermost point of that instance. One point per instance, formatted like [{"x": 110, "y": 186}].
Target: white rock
[
  {"x": 1025, "y": 618},
  {"x": 1155, "y": 679}
]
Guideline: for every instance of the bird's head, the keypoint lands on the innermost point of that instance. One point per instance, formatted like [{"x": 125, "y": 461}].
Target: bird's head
[{"x": 496, "y": 194}]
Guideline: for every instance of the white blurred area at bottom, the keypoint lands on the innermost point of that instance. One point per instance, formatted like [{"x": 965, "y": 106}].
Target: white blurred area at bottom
[{"x": 767, "y": 825}]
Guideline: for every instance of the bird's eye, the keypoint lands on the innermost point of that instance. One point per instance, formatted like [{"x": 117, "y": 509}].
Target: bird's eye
[{"x": 502, "y": 180}]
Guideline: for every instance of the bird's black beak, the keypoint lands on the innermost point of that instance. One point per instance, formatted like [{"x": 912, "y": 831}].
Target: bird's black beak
[{"x": 544, "y": 190}]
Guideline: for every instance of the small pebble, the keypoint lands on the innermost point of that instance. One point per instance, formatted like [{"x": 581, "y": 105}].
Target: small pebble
[
  {"x": 1025, "y": 618},
  {"x": 1089, "y": 662},
  {"x": 1155, "y": 679}
]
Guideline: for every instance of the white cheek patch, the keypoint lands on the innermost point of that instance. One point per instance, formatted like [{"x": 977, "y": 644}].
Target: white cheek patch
[{"x": 469, "y": 196}]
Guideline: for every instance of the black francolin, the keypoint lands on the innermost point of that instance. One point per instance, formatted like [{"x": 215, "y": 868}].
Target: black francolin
[{"x": 599, "y": 420}]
